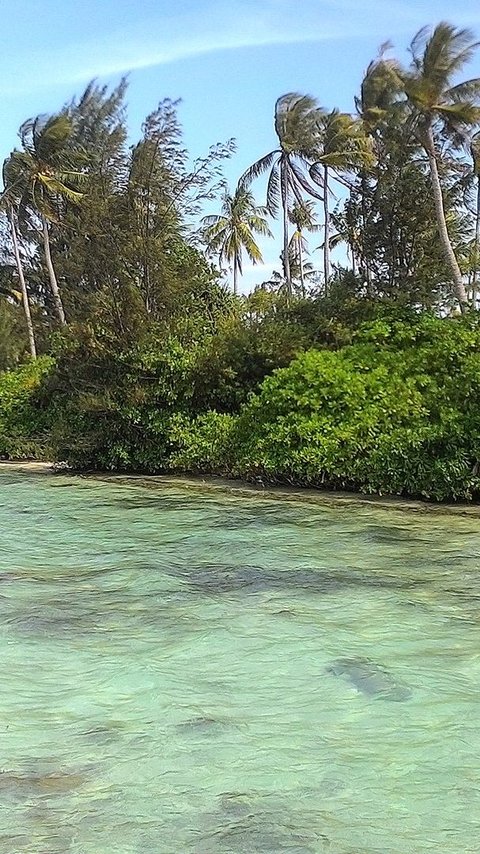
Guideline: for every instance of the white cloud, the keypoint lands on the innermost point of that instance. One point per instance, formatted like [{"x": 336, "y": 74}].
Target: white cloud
[{"x": 217, "y": 25}]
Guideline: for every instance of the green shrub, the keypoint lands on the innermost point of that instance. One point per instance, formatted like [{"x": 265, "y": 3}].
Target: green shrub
[
  {"x": 396, "y": 412},
  {"x": 25, "y": 426},
  {"x": 203, "y": 445}
]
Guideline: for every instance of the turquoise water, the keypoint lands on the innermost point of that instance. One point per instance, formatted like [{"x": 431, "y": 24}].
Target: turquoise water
[{"x": 203, "y": 672}]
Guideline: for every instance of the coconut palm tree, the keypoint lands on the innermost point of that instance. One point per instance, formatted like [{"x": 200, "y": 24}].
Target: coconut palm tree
[
  {"x": 475, "y": 151},
  {"x": 381, "y": 108},
  {"x": 39, "y": 177},
  {"x": 295, "y": 122},
  {"x": 23, "y": 284},
  {"x": 7, "y": 203},
  {"x": 343, "y": 147},
  {"x": 302, "y": 215},
  {"x": 380, "y": 89},
  {"x": 232, "y": 232},
  {"x": 441, "y": 106}
]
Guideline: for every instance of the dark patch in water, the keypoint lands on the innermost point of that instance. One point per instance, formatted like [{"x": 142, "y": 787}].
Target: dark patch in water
[
  {"x": 229, "y": 517},
  {"x": 249, "y": 822},
  {"x": 204, "y": 726},
  {"x": 103, "y": 733},
  {"x": 392, "y": 534},
  {"x": 220, "y": 578},
  {"x": 370, "y": 679},
  {"x": 9, "y": 577},
  {"x": 235, "y": 804},
  {"x": 24, "y": 784},
  {"x": 53, "y": 624},
  {"x": 261, "y": 833}
]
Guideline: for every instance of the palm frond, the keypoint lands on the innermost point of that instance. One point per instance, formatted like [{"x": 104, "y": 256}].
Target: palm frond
[
  {"x": 273, "y": 192},
  {"x": 50, "y": 137},
  {"x": 469, "y": 90},
  {"x": 258, "y": 168},
  {"x": 301, "y": 179},
  {"x": 56, "y": 187},
  {"x": 475, "y": 151}
]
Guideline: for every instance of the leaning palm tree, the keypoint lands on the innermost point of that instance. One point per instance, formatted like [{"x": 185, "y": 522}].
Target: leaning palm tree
[
  {"x": 296, "y": 128},
  {"x": 7, "y": 203},
  {"x": 230, "y": 233},
  {"x": 39, "y": 178},
  {"x": 440, "y": 105},
  {"x": 343, "y": 147}
]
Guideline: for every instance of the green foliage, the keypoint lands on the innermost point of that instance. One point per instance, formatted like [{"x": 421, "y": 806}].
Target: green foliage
[
  {"x": 263, "y": 334},
  {"x": 25, "y": 427},
  {"x": 203, "y": 445},
  {"x": 395, "y": 412},
  {"x": 13, "y": 340}
]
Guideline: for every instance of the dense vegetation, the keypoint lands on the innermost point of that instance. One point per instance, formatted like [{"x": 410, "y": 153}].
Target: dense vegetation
[{"x": 122, "y": 348}]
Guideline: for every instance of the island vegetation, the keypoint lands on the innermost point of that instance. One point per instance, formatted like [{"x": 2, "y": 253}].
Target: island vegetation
[{"x": 122, "y": 348}]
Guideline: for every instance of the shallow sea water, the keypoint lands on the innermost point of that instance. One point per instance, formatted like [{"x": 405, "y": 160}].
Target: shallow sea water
[{"x": 188, "y": 672}]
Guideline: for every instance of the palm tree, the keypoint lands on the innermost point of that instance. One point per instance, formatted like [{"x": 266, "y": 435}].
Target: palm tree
[
  {"x": 342, "y": 147},
  {"x": 380, "y": 106},
  {"x": 475, "y": 151},
  {"x": 232, "y": 232},
  {"x": 8, "y": 204},
  {"x": 39, "y": 177},
  {"x": 302, "y": 215},
  {"x": 379, "y": 92},
  {"x": 440, "y": 105},
  {"x": 23, "y": 284},
  {"x": 296, "y": 128}
]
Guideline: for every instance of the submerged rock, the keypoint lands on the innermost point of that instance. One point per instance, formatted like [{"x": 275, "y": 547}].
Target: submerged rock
[{"x": 370, "y": 679}]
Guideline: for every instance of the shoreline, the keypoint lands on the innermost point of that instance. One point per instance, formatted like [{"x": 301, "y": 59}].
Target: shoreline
[{"x": 241, "y": 488}]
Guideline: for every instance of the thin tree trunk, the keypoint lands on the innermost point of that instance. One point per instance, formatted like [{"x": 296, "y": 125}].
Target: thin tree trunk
[
  {"x": 442, "y": 223},
  {"x": 23, "y": 286},
  {"x": 51, "y": 273},
  {"x": 235, "y": 276},
  {"x": 326, "y": 244},
  {"x": 286, "y": 258},
  {"x": 300, "y": 261},
  {"x": 363, "y": 193},
  {"x": 476, "y": 248}
]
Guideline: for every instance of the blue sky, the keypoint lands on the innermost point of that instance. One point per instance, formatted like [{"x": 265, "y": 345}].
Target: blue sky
[{"x": 227, "y": 59}]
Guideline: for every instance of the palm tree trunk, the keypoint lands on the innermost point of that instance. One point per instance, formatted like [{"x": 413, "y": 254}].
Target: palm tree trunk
[
  {"x": 441, "y": 221},
  {"x": 476, "y": 248},
  {"x": 300, "y": 261},
  {"x": 366, "y": 265},
  {"x": 354, "y": 260},
  {"x": 51, "y": 273},
  {"x": 235, "y": 276},
  {"x": 23, "y": 286},
  {"x": 286, "y": 257},
  {"x": 326, "y": 244}
]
